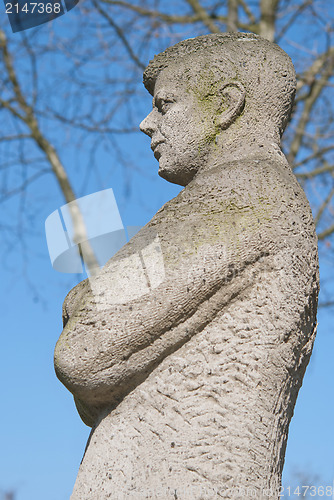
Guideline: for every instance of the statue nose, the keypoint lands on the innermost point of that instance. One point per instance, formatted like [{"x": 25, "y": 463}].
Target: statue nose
[{"x": 148, "y": 125}]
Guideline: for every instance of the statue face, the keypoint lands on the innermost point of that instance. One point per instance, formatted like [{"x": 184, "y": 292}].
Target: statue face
[{"x": 177, "y": 129}]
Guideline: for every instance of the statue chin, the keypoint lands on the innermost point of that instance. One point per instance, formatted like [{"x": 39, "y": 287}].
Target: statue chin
[{"x": 176, "y": 174}]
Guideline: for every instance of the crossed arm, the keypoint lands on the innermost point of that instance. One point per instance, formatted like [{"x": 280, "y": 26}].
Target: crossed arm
[{"x": 109, "y": 346}]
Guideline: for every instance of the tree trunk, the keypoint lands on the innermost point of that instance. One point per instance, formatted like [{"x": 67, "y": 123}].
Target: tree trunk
[
  {"x": 268, "y": 17},
  {"x": 232, "y": 16}
]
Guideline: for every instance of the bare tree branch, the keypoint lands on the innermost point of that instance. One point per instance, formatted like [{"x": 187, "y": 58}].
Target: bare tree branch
[
  {"x": 314, "y": 173},
  {"x": 248, "y": 11},
  {"x": 120, "y": 34},
  {"x": 203, "y": 15},
  {"x": 93, "y": 128},
  {"x": 299, "y": 10},
  {"x": 18, "y": 137},
  {"x": 57, "y": 167},
  {"x": 170, "y": 19},
  {"x": 24, "y": 185},
  {"x": 309, "y": 76},
  {"x": 314, "y": 92},
  {"x": 324, "y": 206},
  {"x": 328, "y": 303},
  {"x": 317, "y": 154},
  {"x": 327, "y": 232},
  {"x": 197, "y": 17}
]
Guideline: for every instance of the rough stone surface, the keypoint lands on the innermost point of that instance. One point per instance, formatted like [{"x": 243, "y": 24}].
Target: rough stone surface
[{"x": 189, "y": 371}]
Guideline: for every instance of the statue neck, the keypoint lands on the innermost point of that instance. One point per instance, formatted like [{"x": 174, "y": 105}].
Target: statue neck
[
  {"x": 247, "y": 143},
  {"x": 229, "y": 150}
]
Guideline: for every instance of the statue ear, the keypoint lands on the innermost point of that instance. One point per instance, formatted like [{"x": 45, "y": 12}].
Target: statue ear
[{"x": 233, "y": 101}]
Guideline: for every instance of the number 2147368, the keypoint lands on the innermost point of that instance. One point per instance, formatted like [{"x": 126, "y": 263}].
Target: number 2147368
[{"x": 33, "y": 8}]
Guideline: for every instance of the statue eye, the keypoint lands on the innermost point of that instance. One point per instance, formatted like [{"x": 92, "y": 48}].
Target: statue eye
[{"x": 164, "y": 105}]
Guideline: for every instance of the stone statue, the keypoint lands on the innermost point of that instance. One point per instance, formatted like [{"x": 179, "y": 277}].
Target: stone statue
[{"x": 190, "y": 381}]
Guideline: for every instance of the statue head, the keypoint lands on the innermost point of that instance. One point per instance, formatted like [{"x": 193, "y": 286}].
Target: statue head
[{"x": 215, "y": 94}]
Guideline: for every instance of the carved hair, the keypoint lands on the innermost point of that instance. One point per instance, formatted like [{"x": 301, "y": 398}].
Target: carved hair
[{"x": 264, "y": 69}]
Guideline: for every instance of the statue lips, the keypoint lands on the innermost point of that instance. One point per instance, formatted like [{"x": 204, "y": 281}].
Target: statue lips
[{"x": 154, "y": 146}]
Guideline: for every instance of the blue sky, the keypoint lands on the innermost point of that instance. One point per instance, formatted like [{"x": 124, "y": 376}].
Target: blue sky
[{"x": 42, "y": 437}]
